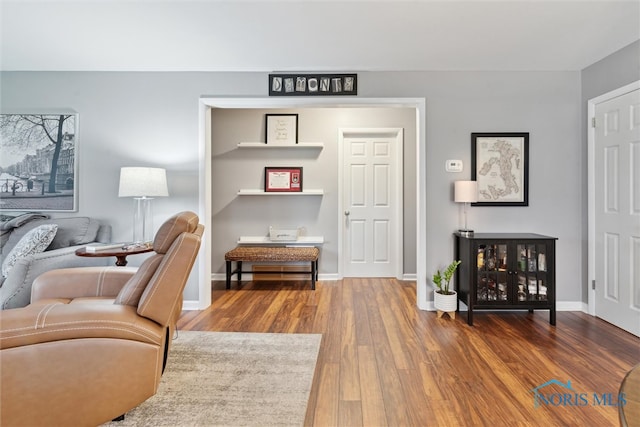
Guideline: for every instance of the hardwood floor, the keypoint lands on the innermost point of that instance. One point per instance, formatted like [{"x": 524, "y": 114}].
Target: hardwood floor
[{"x": 383, "y": 362}]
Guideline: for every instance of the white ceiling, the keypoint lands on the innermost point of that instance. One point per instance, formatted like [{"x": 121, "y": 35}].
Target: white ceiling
[{"x": 316, "y": 35}]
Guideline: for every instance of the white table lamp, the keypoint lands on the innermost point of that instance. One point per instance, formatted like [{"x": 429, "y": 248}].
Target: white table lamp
[
  {"x": 143, "y": 184},
  {"x": 466, "y": 192}
]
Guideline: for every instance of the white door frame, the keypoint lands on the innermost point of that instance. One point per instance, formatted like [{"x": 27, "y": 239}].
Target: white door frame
[
  {"x": 591, "y": 140},
  {"x": 204, "y": 175},
  {"x": 397, "y": 133}
]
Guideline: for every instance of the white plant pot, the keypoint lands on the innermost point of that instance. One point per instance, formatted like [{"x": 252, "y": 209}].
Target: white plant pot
[{"x": 446, "y": 303}]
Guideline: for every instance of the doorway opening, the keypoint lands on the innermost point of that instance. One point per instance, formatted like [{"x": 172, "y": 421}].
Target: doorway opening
[{"x": 207, "y": 104}]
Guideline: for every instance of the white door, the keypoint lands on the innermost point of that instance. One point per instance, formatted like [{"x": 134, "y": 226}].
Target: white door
[
  {"x": 371, "y": 209},
  {"x": 616, "y": 210}
]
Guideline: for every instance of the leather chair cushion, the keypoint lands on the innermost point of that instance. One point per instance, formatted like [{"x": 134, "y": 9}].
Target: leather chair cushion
[
  {"x": 132, "y": 291},
  {"x": 172, "y": 228},
  {"x": 168, "y": 233},
  {"x": 169, "y": 282},
  {"x": 59, "y": 319}
]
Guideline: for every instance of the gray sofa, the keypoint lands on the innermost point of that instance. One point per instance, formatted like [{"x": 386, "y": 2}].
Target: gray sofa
[{"x": 72, "y": 233}]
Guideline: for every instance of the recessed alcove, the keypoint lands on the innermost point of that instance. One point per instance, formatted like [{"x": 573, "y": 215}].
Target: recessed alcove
[{"x": 229, "y": 202}]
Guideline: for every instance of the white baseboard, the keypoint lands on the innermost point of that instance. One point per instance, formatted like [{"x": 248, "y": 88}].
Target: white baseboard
[
  {"x": 572, "y": 306},
  {"x": 325, "y": 276},
  {"x": 191, "y": 305},
  {"x": 249, "y": 276},
  {"x": 560, "y": 306},
  {"x": 333, "y": 276},
  {"x": 220, "y": 276}
]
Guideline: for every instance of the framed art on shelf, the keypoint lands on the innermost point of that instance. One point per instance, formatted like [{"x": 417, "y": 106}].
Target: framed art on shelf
[
  {"x": 500, "y": 165},
  {"x": 281, "y": 129},
  {"x": 39, "y": 168},
  {"x": 283, "y": 179}
]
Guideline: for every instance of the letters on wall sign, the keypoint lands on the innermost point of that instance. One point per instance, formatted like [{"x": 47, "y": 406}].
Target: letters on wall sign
[{"x": 313, "y": 84}]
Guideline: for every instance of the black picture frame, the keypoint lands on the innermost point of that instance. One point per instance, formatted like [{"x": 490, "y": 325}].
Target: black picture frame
[
  {"x": 281, "y": 129},
  {"x": 500, "y": 165},
  {"x": 283, "y": 179},
  {"x": 41, "y": 167},
  {"x": 313, "y": 84}
]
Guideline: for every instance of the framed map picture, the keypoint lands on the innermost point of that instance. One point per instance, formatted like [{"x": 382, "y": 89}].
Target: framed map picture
[{"x": 500, "y": 165}]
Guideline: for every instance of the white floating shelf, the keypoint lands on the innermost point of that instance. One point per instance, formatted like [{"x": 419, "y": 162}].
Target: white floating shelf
[
  {"x": 251, "y": 192},
  {"x": 263, "y": 145},
  {"x": 264, "y": 240}
]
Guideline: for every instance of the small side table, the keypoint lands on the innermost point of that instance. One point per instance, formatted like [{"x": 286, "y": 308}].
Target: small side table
[{"x": 120, "y": 254}]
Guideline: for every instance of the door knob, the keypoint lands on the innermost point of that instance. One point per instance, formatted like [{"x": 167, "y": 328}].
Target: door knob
[{"x": 347, "y": 213}]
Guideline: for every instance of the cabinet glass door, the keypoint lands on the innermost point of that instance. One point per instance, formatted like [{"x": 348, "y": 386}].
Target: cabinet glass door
[
  {"x": 532, "y": 272},
  {"x": 492, "y": 273}
]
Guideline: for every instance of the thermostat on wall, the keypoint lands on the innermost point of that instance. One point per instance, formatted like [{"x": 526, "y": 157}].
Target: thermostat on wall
[{"x": 453, "y": 166}]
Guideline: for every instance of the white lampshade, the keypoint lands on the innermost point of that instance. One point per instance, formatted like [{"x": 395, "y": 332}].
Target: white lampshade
[
  {"x": 466, "y": 192},
  {"x": 143, "y": 182}
]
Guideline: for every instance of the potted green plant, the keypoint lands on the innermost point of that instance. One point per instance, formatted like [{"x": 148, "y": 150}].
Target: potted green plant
[{"x": 445, "y": 299}]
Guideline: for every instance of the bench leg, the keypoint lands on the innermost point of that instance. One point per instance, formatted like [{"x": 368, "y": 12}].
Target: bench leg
[
  {"x": 231, "y": 272},
  {"x": 313, "y": 275}
]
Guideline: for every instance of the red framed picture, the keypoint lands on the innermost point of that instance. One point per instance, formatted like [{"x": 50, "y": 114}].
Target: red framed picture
[{"x": 283, "y": 179}]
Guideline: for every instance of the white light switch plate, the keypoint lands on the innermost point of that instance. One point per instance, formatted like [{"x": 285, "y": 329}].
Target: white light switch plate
[{"x": 453, "y": 166}]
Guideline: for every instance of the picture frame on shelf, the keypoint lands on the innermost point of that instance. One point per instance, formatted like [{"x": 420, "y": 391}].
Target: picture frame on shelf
[
  {"x": 283, "y": 179},
  {"x": 500, "y": 165},
  {"x": 281, "y": 129}
]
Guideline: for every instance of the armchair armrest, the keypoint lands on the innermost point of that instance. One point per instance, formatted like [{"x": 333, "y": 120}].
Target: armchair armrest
[
  {"x": 81, "y": 282},
  {"x": 50, "y": 322},
  {"x": 16, "y": 288}
]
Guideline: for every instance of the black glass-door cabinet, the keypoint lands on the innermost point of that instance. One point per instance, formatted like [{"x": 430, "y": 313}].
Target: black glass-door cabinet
[{"x": 506, "y": 271}]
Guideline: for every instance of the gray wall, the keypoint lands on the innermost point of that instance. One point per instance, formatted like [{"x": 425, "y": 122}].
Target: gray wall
[
  {"x": 543, "y": 104},
  {"x": 152, "y": 119},
  {"x": 612, "y": 72}
]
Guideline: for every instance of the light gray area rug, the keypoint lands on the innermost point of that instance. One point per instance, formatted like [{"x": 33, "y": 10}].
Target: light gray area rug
[{"x": 232, "y": 379}]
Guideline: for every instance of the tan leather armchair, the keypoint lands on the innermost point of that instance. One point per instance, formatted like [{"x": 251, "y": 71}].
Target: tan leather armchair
[{"x": 92, "y": 344}]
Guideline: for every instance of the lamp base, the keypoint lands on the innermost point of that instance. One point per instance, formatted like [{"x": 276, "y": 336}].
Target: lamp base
[
  {"x": 142, "y": 220},
  {"x": 466, "y": 233}
]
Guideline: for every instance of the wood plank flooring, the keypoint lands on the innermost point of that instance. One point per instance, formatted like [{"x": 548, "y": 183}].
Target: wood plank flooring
[{"x": 383, "y": 362}]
